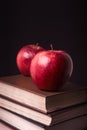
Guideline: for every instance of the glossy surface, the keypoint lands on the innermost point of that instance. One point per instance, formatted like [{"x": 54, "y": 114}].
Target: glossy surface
[
  {"x": 24, "y": 57},
  {"x": 51, "y": 69}
]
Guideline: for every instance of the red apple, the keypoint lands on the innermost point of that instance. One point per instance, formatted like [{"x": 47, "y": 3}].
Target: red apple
[
  {"x": 24, "y": 57},
  {"x": 51, "y": 69}
]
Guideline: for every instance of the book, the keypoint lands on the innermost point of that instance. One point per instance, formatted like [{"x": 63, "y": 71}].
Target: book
[
  {"x": 23, "y": 90},
  {"x": 4, "y": 126},
  {"x": 45, "y": 119},
  {"x": 79, "y": 123}
]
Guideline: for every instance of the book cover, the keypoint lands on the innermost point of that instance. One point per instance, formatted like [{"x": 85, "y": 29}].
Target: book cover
[
  {"x": 79, "y": 123},
  {"x": 45, "y": 119},
  {"x": 23, "y": 90}
]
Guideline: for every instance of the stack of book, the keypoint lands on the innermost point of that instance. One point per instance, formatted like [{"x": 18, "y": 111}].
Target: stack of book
[{"x": 25, "y": 107}]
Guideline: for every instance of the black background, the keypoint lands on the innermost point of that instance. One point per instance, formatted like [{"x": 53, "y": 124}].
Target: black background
[{"x": 62, "y": 24}]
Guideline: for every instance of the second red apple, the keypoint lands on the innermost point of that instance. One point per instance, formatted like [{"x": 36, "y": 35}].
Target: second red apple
[{"x": 24, "y": 57}]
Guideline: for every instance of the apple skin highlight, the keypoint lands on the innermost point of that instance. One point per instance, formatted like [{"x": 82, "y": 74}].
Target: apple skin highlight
[{"x": 51, "y": 69}]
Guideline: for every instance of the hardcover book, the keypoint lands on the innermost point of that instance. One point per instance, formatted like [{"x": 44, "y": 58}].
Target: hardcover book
[
  {"x": 45, "y": 119},
  {"x": 22, "y": 90},
  {"x": 79, "y": 123}
]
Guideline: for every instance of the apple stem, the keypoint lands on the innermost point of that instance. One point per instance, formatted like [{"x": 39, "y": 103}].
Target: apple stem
[
  {"x": 51, "y": 46},
  {"x": 37, "y": 44}
]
